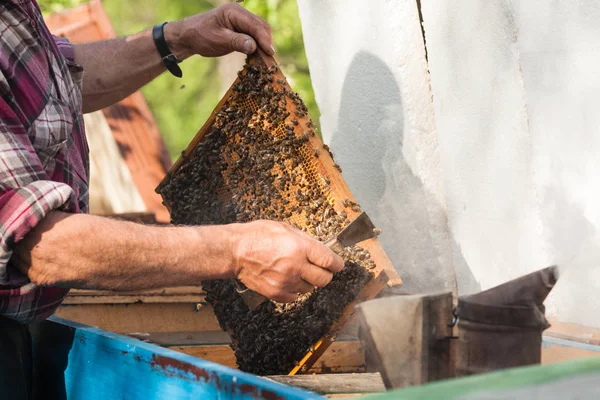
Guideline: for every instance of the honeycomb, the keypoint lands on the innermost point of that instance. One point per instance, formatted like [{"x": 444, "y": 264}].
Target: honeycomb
[{"x": 258, "y": 157}]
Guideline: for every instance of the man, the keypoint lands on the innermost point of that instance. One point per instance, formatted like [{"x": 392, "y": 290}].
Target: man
[{"x": 49, "y": 243}]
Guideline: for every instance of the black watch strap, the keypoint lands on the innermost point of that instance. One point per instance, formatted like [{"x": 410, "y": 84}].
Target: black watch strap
[{"x": 168, "y": 59}]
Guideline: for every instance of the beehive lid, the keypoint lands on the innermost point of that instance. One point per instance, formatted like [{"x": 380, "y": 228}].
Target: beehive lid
[{"x": 258, "y": 157}]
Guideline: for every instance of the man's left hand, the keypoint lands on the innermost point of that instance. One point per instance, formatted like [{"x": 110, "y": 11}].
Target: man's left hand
[{"x": 218, "y": 32}]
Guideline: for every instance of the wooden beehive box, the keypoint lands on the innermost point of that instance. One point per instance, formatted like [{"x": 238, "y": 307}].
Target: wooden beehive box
[{"x": 307, "y": 177}]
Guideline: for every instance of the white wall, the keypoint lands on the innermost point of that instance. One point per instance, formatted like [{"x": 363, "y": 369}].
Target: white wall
[
  {"x": 511, "y": 153},
  {"x": 515, "y": 85},
  {"x": 370, "y": 78},
  {"x": 559, "y": 45}
]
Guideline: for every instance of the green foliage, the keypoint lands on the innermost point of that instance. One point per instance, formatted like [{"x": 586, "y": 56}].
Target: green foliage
[
  {"x": 181, "y": 106},
  {"x": 50, "y": 6}
]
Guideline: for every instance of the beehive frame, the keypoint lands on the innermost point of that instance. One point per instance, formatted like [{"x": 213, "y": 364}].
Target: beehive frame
[{"x": 321, "y": 168}]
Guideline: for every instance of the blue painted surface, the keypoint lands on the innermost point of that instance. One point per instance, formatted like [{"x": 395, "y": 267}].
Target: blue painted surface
[{"x": 104, "y": 365}]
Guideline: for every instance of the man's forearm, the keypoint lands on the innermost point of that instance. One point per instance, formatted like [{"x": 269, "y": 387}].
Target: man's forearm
[
  {"x": 89, "y": 252},
  {"x": 116, "y": 68}
]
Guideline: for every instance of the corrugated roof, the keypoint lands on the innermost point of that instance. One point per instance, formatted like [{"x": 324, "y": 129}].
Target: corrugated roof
[{"x": 130, "y": 120}]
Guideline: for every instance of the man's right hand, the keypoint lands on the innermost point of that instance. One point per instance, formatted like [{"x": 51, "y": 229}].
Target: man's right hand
[{"x": 279, "y": 261}]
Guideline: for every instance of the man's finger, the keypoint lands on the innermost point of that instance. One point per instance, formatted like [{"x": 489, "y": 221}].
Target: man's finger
[
  {"x": 284, "y": 297},
  {"x": 322, "y": 256},
  {"x": 304, "y": 287},
  {"x": 316, "y": 276},
  {"x": 246, "y": 22},
  {"x": 240, "y": 42}
]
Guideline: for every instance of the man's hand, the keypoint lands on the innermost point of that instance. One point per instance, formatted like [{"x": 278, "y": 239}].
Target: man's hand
[
  {"x": 225, "y": 29},
  {"x": 280, "y": 262}
]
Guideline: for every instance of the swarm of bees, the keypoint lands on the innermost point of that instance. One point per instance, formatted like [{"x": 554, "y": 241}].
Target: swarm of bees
[{"x": 257, "y": 162}]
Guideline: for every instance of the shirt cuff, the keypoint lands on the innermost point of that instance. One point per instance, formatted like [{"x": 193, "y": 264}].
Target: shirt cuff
[
  {"x": 65, "y": 47},
  {"x": 21, "y": 209}
]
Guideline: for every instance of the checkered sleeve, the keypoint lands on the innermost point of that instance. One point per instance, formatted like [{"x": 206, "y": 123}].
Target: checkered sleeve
[
  {"x": 27, "y": 194},
  {"x": 65, "y": 48}
]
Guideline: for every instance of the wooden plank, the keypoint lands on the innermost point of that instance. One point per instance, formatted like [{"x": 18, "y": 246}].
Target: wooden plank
[
  {"x": 110, "y": 179},
  {"x": 556, "y": 350},
  {"x": 220, "y": 354},
  {"x": 80, "y": 362},
  {"x": 153, "y": 317},
  {"x": 340, "y": 357},
  {"x": 568, "y": 341},
  {"x": 334, "y": 383},
  {"x": 170, "y": 295},
  {"x": 195, "y": 338},
  {"x": 574, "y": 332},
  {"x": 196, "y": 290}
]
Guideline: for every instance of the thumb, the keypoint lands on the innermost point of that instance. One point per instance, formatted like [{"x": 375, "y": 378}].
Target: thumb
[
  {"x": 242, "y": 43},
  {"x": 323, "y": 257}
]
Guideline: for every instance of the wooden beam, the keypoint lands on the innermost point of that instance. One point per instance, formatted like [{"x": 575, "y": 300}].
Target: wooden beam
[
  {"x": 169, "y": 295},
  {"x": 111, "y": 183},
  {"x": 198, "y": 338},
  {"x": 334, "y": 383},
  {"x": 345, "y": 355},
  {"x": 556, "y": 350},
  {"x": 574, "y": 332},
  {"x": 152, "y": 317},
  {"x": 340, "y": 357}
]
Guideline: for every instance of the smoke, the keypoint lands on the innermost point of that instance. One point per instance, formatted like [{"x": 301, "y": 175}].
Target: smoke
[
  {"x": 559, "y": 51},
  {"x": 574, "y": 245}
]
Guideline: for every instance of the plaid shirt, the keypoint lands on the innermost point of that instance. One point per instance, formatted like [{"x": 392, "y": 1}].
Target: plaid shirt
[{"x": 43, "y": 148}]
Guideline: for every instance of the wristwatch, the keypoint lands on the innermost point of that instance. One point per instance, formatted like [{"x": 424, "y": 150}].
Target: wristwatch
[{"x": 168, "y": 58}]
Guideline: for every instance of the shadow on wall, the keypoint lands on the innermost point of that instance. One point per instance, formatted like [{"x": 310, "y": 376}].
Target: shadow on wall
[{"x": 368, "y": 145}]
